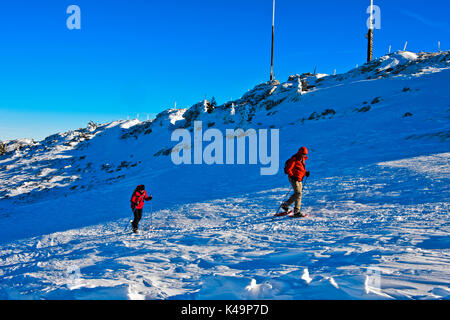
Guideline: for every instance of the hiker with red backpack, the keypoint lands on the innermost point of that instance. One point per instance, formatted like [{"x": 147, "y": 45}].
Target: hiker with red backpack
[
  {"x": 137, "y": 203},
  {"x": 296, "y": 171}
]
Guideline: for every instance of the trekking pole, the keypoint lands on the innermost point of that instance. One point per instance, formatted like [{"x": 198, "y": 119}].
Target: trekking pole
[
  {"x": 284, "y": 198},
  {"x": 151, "y": 214},
  {"x": 128, "y": 222},
  {"x": 303, "y": 185}
]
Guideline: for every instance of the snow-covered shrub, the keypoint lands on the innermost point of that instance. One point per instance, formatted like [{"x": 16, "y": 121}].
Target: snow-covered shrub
[
  {"x": 92, "y": 125},
  {"x": 2, "y": 148},
  {"x": 211, "y": 105}
]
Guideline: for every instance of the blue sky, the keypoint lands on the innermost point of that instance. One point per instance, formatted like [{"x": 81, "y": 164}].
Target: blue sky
[{"x": 140, "y": 56}]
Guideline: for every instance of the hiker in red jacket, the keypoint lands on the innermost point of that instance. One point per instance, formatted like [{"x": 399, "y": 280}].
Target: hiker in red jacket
[
  {"x": 137, "y": 203},
  {"x": 296, "y": 171}
]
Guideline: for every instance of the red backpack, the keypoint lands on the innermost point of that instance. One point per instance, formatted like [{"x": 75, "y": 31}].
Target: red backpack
[{"x": 287, "y": 164}]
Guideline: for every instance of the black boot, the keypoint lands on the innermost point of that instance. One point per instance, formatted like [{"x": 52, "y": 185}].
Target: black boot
[
  {"x": 298, "y": 214},
  {"x": 285, "y": 207}
]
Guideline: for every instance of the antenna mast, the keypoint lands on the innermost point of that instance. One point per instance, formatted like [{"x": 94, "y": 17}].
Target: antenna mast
[
  {"x": 370, "y": 34},
  {"x": 273, "y": 36}
]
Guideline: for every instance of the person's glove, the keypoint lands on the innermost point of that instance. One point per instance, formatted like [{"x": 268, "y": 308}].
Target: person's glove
[
  {"x": 149, "y": 198},
  {"x": 307, "y": 174}
]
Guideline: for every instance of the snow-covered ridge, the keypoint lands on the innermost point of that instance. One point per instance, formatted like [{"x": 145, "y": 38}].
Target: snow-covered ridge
[
  {"x": 301, "y": 98},
  {"x": 378, "y": 197},
  {"x": 269, "y": 94}
]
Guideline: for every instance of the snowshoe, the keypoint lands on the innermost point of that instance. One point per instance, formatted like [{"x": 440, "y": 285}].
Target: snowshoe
[
  {"x": 298, "y": 215},
  {"x": 281, "y": 214}
]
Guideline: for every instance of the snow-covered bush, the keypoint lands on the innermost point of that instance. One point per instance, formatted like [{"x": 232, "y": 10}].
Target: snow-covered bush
[
  {"x": 2, "y": 148},
  {"x": 211, "y": 105}
]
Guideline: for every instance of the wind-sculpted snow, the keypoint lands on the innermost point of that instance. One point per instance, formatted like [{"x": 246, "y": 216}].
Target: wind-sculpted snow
[
  {"x": 377, "y": 197},
  {"x": 373, "y": 227}
]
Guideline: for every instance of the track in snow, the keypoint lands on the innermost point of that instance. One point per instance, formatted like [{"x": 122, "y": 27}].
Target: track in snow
[{"x": 371, "y": 234}]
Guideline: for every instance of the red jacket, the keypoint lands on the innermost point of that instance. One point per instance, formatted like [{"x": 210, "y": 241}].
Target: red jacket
[
  {"x": 137, "y": 200},
  {"x": 295, "y": 167}
]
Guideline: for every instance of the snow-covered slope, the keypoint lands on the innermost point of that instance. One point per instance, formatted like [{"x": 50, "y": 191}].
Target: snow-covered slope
[{"x": 377, "y": 197}]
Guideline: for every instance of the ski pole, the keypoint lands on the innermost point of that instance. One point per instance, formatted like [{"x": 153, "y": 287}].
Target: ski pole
[
  {"x": 284, "y": 198},
  {"x": 303, "y": 184},
  {"x": 151, "y": 214},
  {"x": 126, "y": 225}
]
